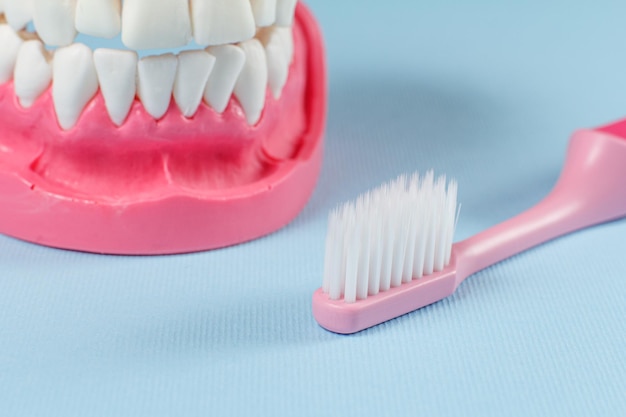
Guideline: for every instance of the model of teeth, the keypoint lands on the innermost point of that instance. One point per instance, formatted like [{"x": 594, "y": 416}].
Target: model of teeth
[{"x": 179, "y": 97}]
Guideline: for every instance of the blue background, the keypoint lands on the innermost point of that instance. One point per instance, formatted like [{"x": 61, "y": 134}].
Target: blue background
[{"x": 485, "y": 91}]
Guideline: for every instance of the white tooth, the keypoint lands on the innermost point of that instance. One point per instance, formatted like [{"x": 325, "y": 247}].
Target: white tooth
[
  {"x": 54, "y": 21},
  {"x": 278, "y": 43},
  {"x": 155, "y": 24},
  {"x": 117, "y": 73},
  {"x": 33, "y": 72},
  {"x": 194, "y": 68},
  {"x": 156, "y": 80},
  {"x": 18, "y": 13},
  {"x": 252, "y": 83},
  {"x": 219, "y": 22},
  {"x": 285, "y": 10},
  {"x": 11, "y": 43},
  {"x": 229, "y": 61},
  {"x": 74, "y": 82},
  {"x": 264, "y": 12},
  {"x": 100, "y": 18}
]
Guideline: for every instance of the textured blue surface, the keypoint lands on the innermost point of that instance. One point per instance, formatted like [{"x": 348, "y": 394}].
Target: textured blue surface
[{"x": 487, "y": 92}]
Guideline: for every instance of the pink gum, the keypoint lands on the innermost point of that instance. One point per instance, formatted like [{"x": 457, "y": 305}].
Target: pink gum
[
  {"x": 589, "y": 192},
  {"x": 166, "y": 216}
]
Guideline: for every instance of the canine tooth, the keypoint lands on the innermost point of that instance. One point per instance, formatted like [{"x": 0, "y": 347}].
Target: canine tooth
[
  {"x": 18, "y": 13},
  {"x": 155, "y": 24},
  {"x": 117, "y": 74},
  {"x": 219, "y": 22},
  {"x": 285, "y": 10},
  {"x": 99, "y": 18},
  {"x": 74, "y": 82},
  {"x": 54, "y": 21},
  {"x": 252, "y": 83},
  {"x": 194, "y": 68},
  {"x": 11, "y": 43},
  {"x": 278, "y": 44},
  {"x": 156, "y": 80},
  {"x": 264, "y": 12},
  {"x": 33, "y": 72},
  {"x": 229, "y": 61}
]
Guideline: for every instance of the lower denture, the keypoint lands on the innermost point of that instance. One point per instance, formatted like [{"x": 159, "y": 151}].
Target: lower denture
[
  {"x": 207, "y": 151},
  {"x": 144, "y": 159}
]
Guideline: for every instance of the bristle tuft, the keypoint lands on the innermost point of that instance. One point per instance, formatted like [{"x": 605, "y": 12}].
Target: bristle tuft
[{"x": 398, "y": 232}]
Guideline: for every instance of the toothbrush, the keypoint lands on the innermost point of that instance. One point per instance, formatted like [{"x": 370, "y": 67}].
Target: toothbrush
[{"x": 383, "y": 262}]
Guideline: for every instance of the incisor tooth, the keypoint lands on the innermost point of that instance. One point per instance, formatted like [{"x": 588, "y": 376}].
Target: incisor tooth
[
  {"x": 54, "y": 21},
  {"x": 18, "y": 13},
  {"x": 74, "y": 82},
  {"x": 278, "y": 43},
  {"x": 219, "y": 22},
  {"x": 229, "y": 61},
  {"x": 194, "y": 68},
  {"x": 285, "y": 10},
  {"x": 99, "y": 18},
  {"x": 33, "y": 72},
  {"x": 155, "y": 24},
  {"x": 156, "y": 80},
  {"x": 117, "y": 73},
  {"x": 11, "y": 43},
  {"x": 252, "y": 83},
  {"x": 264, "y": 12}
]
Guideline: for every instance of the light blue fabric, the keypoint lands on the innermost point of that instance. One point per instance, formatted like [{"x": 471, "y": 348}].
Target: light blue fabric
[{"x": 485, "y": 91}]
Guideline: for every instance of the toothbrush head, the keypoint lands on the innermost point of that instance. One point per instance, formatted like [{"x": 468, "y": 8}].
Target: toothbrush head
[{"x": 397, "y": 236}]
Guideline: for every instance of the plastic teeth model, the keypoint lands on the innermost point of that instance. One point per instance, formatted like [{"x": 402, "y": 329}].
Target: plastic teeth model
[{"x": 198, "y": 123}]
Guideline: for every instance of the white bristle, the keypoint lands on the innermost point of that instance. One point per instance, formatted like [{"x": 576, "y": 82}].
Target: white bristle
[{"x": 398, "y": 232}]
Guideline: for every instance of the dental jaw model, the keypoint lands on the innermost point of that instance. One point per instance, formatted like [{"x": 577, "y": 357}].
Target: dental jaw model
[{"x": 112, "y": 151}]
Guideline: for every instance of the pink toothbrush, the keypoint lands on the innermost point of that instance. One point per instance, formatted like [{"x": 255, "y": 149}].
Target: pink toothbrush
[{"x": 590, "y": 191}]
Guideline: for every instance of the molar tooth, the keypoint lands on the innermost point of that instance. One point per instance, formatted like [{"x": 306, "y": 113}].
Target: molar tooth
[
  {"x": 155, "y": 24},
  {"x": 156, "y": 80},
  {"x": 194, "y": 68},
  {"x": 18, "y": 13},
  {"x": 264, "y": 12},
  {"x": 11, "y": 43},
  {"x": 117, "y": 73},
  {"x": 33, "y": 72},
  {"x": 54, "y": 21},
  {"x": 219, "y": 22},
  {"x": 99, "y": 18},
  {"x": 74, "y": 84},
  {"x": 252, "y": 83},
  {"x": 229, "y": 61},
  {"x": 278, "y": 43},
  {"x": 285, "y": 10}
]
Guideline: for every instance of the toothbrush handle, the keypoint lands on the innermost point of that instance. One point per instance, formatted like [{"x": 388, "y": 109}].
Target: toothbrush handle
[{"x": 589, "y": 191}]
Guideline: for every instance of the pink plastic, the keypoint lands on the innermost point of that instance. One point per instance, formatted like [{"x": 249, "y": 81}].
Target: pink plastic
[
  {"x": 76, "y": 191},
  {"x": 589, "y": 192}
]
